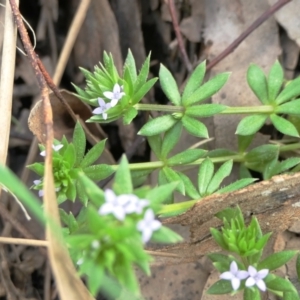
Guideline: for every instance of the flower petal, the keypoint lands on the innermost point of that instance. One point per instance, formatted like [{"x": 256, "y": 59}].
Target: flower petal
[
  {"x": 155, "y": 225},
  {"x": 110, "y": 195},
  {"x": 149, "y": 215},
  {"x": 101, "y": 102},
  {"x": 106, "y": 208},
  {"x": 250, "y": 282},
  {"x": 119, "y": 213},
  {"x": 98, "y": 111},
  {"x": 109, "y": 95},
  {"x": 262, "y": 273},
  {"x": 57, "y": 147},
  {"x": 41, "y": 193},
  {"x": 261, "y": 285},
  {"x": 146, "y": 235},
  {"x": 43, "y": 153},
  {"x": 235, "y": 282},
  {"x": 114, "y": 102},
  {"x": 233, "y": 267},
  {"x": 242, "y": 274},
  {"x": 252, "y": 271},
  {"x": 104, "y": 115},
  {"x": 227, "y": 275},
  {"x": 116, "y": 89},
  {"x": 36, "y": 182}
]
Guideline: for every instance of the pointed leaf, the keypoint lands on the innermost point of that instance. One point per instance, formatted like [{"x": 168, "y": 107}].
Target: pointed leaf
[
  {"x": 219, "y": 176},
  {"x": 158, "y": 125},
  {"x": 130, "y": 63},
  {"x": 169, "y": 85},
  {"x": 251, "y": 294},
  {"x": 258, "y": 83},
  {"x": 194, "y": 81},
  {"x": 186, "y": 157},
  {"x": 129, "y": 115},
  {"x": 38, "y": 168},
  {"x": 143, "y": 75},
  {"x": 79, "y": 142},
  {"x": 143, "y": 90},
  {"x": 251, "y": 124},
  {"x": 172, "y": 176},
  {"x": 291, "y": 90},
  {"x": 240, "y": 184},
  {"x": 159, "y": 194},
  {"x": 98, "y": 172},
  {"x": 207, "y": 89},
  {"x": 284, "y": 126},
  {"x": 244, "y": 141},
  {"x": 205, "y": 174},
  {"x": 276, "y": 260},
  {"x": 204, "y": 110},
  {"x": 194, "y": 127},
  {"x": 122, "y": 181},
  {"x": 220, "y": 287},
  {"x": 70, "y": 155},
  {"x": 155, "y": 143},
  {"x": 93, "y": 154},
  {"x": 275, "y": 80},
  {"x": 290, "y": 108},
  {"x": 170, "y": 139},
  {"x": 190, "y": 189}
]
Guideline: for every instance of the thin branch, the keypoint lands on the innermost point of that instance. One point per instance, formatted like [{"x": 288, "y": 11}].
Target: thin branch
[
  {"x": 27, "y": 242},
  {"x": 269, "y": 12},
  {"x": 179, "y": 36},
  {"x": 157, "y": 253}
]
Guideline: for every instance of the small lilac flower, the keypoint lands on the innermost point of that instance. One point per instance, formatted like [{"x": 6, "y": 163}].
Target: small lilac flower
[
  {"x": 132, "y": 203},
  {"x": 115, "y": 95},
  {"x": 148, "y": 225},
  {"x": 37, "y": 182},
  {"x": 234, "y": 275},
  {"x": 256, "y": 278},
  {"x": 103, "y": 107},
  {"x": 54, "y": 147},
  {"x": 41, "y": 193},
  {"x": 113, "y": 205}
]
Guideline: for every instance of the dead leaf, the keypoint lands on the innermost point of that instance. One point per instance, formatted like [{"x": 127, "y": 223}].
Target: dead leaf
[{"x": 191, "y": 28}]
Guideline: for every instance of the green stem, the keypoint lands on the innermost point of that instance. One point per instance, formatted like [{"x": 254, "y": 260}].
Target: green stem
[
  {"x": 265, "y": 109},
  {"x": 157, "y": 107}
]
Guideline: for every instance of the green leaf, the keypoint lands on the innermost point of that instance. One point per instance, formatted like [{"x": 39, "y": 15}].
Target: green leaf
[
  {"x": 144, "y": 89},
  {"x": 205, "y": 174},
  {"x": 71, "y": 192},
  {"x": 172, "y": 176},
  {"x": 244, "y": 141},
  {"x": 155, "y": 143},
  {"x": 194, "y": 127},
  {"x": 162, "y": 179},
  {"x": 280, "y": 284},
  {"x": 218, "y": 237},
  {"x": 166, "y": 235},
  {"x": 143, "y": 75},
  {"x": 138, "y": 177},
  {"x": 287, "y": 164},
  {"x": 96, "y": 273},
  {"x": 298, "y": 266},
  {"x": 158, "y": 125},
  {"x": 93, "y": 154},
  {"x": 219, "y": 176},
  {"x": 186, "y": 157},
  {"x": 277, "y": 259},
  {"x": 169, "y": 86},
  {"x": 290, "y": 108},
  {"x": 98, "y": 172},
  {"x": 160, "y": 194},
  {"x": 122, "y": 181},
  {"x": 194, "y": 81},
  {"x": 275, "y": 80},
  {"x": 72, "y": 223},
  {"x": 290, "y": 296},
  {"x": 207, "y": 89},
  {"x": 190, "y": 190},
  {"x": 291, "y": 90},
  {"x": 258, "y": 83},
  {"x": 204, "y": 110},
  {"x": 251, "y": 294},
  {"x": 129, "y": 115},
  {"x": 170, "y": 139},
  {"x": 70, "y": 155},
  {"x": 130, "y": 64},
  {"x": 79, "y": 142},
  {"x": 81, "y": 193},
  {"x": 240, "y": 184},
  {"x": 38, "y": 168},
  {"x": 284, "y": 126},
  {"x": 251, "y": 124},
  {"x": 220, "y": 287}
]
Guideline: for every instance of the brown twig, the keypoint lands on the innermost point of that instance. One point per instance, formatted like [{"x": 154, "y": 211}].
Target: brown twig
[
  {"x": 179, "y": 36},
  {"x": 269, "y": 12}
]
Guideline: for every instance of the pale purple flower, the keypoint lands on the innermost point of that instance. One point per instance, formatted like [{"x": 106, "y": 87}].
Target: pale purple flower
[
  {"x": 54, "y": 147},
  {"x": 102, "y": 109},
  {"x": 37, "y": 182},
  {"x": 115, "y": 95},
  {"x": 148, "y": 225},
  {"x": 113, "y": 205},
  {"x": 234, "y": 275},
  {"x": 132, "y": 203},
  {"x": 256, "y": 278},
  {"x": 41, "y": 193}
]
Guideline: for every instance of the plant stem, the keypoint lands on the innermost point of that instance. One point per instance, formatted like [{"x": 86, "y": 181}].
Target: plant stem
[
  {"x": 264, "y": 109},
  {"x": 158, "y": 107}
]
